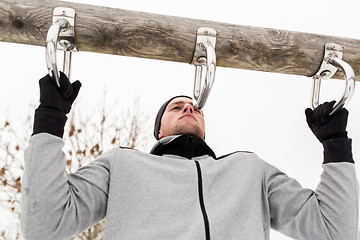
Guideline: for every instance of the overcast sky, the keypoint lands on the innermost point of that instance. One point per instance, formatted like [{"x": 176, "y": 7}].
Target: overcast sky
[{"x": 246, "y": 110}]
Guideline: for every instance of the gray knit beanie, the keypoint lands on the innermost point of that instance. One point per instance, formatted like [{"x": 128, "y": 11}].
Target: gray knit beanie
[{"x": 160, "y": 114}]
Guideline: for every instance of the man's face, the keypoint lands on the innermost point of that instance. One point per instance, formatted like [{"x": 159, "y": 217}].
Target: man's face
[{"x": 180, "y": 117}]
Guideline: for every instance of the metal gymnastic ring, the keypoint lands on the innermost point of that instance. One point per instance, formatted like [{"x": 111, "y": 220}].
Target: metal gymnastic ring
[
  {"x": 50, "y": 52},
  {"x": 202, "y": 85},
  {"x": 349, "y": 84}
]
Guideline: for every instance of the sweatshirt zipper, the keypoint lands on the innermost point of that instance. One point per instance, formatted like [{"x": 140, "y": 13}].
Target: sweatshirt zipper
[{"x": 201, "y": 200}]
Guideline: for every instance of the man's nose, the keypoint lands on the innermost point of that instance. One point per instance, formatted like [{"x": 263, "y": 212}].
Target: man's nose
[{"x": 188, "y": 108}]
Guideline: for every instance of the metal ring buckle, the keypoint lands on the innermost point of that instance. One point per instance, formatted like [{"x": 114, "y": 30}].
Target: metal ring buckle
[
  {"x": 204, "y": 56},
  {"x": 61, "y": 31},
  {"x": 332, "y": 61}
]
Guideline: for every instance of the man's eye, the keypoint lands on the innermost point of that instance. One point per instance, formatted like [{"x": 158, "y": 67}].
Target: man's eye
[
  {"x": 197, "y": 110},
  {"x": 175, "y": 108}
]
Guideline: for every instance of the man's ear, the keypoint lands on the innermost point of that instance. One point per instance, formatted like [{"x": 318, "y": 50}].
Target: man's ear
[{"x": 160, "y": 135}]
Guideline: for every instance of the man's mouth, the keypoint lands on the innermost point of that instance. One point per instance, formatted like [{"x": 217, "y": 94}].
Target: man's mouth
[{"x": 188, "y": 115}]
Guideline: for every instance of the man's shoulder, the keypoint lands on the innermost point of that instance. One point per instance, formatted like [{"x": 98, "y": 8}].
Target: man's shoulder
[
  {"x": 237, "y": 154},
  {"x": 244, "y": 158}
]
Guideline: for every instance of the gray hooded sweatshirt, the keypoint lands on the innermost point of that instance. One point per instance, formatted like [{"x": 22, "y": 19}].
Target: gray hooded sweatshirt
[{"x": 181, "y": 191}]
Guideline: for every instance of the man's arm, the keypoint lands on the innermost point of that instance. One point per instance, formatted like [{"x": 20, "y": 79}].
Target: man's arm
[
  {"x": 331, "y": 212},
  {"x": 56, "y": 206}
]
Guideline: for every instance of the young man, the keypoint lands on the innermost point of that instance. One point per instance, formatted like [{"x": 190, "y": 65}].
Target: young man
[{"x": 181, "y": 190}]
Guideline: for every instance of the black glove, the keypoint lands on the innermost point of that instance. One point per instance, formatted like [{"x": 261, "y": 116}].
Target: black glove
[
  {"x": 331, "y": 132},
  {"x": 55, "y": 103},
  {"x": 325, "y": 126}
]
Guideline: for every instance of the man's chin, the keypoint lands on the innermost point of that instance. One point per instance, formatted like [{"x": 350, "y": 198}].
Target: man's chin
[{"x": 195, "y": 132}]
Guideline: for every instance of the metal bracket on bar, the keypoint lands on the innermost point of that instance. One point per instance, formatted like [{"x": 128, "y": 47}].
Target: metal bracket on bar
[
  {"x": 204, "y": 56},
  {"x": 330, "y": 64},
  {"x": 62, "y": 31}
]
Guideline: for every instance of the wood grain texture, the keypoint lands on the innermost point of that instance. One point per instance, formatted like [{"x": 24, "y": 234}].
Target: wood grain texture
[{"x": 146, "y": 35}]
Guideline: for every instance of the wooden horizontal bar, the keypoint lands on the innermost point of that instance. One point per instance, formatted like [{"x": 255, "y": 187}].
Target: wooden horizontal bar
[{"x": 147, "y": 35}]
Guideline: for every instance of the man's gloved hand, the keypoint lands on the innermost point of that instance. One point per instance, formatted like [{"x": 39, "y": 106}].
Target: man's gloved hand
[
  {"x": 325, "y": 126},
  {"x": 61, "y": 99},
  {"x": 55, "y": 103},
  {"x": 331, "y": 132}
]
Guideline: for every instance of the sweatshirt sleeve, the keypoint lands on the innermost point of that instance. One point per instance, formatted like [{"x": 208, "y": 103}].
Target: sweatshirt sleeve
[
  {"x": 330, "y": 212},
  {"x": 55, "y": 205}
]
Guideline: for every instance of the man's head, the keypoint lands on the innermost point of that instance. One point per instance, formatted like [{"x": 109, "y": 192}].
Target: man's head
[{"x": 179, "y": 116}]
